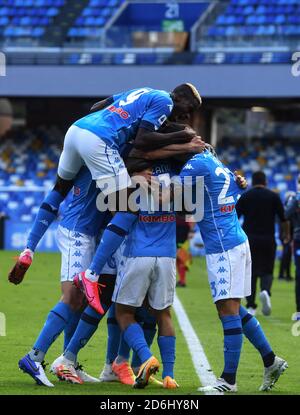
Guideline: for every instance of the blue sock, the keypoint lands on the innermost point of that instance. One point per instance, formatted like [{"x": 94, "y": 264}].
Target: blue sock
[
  {"x": 167, "y": 345},
  {"x": 256, "y": 336},
  {"x": 135, "y": 339},
  {"x": 233, "y": 341},
  {"x": 149, "y": 329},
  {"x": 124, "y": 349},
  {"x": 45, "y": 216},
  {"x": 114, "y": 336},
  {"x": 86, "y": 327},
  {"x": 112, "y": 238},
  {"x": 71, "y": 327},
  {"x": 57, "y": 320}
]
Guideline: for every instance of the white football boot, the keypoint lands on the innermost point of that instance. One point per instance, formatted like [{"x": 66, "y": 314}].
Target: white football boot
[
  {"x": 220, "y": 386},
  {"x": 265, "y": 302},
  {"x": 85, "y": 376},
  {"x": 64, "y": 369},
  {"x": 36, "y": 370},
  {"x": 107, "y": 374},
  {"x": 272, "y": 373}
]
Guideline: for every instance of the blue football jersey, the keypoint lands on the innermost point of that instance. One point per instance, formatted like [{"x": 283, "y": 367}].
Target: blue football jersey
[
  {"x": 154, "y": 234},
  {"x": 220, "y": 228},
  {"x": 118, "y": 123},
  {"x": 81, "y": 214}
]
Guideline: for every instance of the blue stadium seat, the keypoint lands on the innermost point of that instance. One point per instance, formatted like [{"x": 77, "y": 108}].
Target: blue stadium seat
[{"x": 27, "y": 18}]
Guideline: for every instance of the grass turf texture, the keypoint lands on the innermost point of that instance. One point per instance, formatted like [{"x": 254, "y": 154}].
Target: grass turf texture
[{"x": 26, "y": 306}]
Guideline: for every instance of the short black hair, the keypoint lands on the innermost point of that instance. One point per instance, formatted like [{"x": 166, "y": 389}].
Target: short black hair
[
  {"x": 259, "y": 178},
  {"x": 187, "y": 100}
]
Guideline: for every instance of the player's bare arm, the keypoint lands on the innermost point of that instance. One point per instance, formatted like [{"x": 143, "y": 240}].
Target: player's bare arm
[{"x": 149, "y": 140}]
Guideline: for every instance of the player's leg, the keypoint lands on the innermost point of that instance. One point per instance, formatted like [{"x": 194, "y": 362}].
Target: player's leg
[
  {"x": 133, "y": 335},
  {"x": 148, "y": 323},
  {"x": 64, "y": 365},
  {"x": 66, "y": 310},
  {"x": 69, "y": 165},
  {"x": 296, "y": 316},
  {"x": 134, "y": 278},
  {"x": 229, "y": 275},
  {"x": 161, "y": 297},
  {"x": 113, "y": 341},
  {"x": 125, "y": 371},
  {"x": 251, "y": 303},
  {"x": 108, "y": 170},
  {"x": 274, "y": 366},
  {"x": 267, "y": 259}
]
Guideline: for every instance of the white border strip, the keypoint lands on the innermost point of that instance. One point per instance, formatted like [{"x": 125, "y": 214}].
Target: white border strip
[{"x": 201, "y": 364}]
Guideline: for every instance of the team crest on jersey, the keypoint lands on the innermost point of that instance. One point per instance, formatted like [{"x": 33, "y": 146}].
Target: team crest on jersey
[{"x": 76, "y": 190}]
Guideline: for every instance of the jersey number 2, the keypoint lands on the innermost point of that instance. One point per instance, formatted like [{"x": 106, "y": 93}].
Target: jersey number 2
[{"x": 222, "y": 198}]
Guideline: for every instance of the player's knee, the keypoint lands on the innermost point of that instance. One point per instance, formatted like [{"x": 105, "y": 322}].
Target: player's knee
[
  {"x": 124, "y": 316},
  {"x": 73, "y": 297},
  {"x": 107, "y": 283}
]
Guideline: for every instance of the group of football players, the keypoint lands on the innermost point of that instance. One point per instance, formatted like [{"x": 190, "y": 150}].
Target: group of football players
[{"x": 131, "y": 273}]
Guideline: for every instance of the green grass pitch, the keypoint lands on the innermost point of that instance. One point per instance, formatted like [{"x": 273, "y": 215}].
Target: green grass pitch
[{"x": 26, "y": 306}]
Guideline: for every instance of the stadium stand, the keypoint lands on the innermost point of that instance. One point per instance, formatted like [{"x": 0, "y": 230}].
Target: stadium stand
[
  {"x": 20, "y": 19},
  {"x": 93, "y": 18},
  {"x": 258, "y": 18},
  {"x": 28, "y": 164},
  {"x": 200, "y": 32}
]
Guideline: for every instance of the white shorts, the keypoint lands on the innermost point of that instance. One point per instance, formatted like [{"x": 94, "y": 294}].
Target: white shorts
[
  {"x": 139, "y": 276},
  {"x": 82, "y": 147},
  {"x": 229, "y": 273},
  {"x": 77, "y": 251}
]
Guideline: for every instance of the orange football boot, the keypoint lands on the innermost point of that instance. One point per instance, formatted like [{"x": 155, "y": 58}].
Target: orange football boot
[
  {"x": 170, "y": 383},
  {"x": 148, "y": 368},
  {"x": 124, "y": 372}
]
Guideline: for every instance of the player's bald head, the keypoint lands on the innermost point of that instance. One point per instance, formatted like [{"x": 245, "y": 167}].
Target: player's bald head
[{"x": 187, "y": 101}]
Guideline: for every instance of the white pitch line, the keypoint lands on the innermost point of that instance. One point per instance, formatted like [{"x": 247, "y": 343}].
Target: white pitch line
[{"x": 201, "y": 364}]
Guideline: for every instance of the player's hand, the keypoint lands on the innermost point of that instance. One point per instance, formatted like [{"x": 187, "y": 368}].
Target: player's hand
[
  {"x": 197, "y": 145},
  {"x": 18, "y": 271},
  {"x": 241, "y": 181},
  {"x": 190, "y": 132}
]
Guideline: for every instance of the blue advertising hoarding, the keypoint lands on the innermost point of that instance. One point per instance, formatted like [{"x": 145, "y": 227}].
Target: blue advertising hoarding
[{"x": 16, "y": 235}]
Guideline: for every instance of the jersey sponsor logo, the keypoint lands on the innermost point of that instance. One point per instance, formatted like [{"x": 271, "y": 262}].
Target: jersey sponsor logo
[
  {"x": 227, "y": 208},
  {"x": 157, "y": 219},
  {"x": 76, "y": 191},
  {"x": 122, "y": 113}
]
